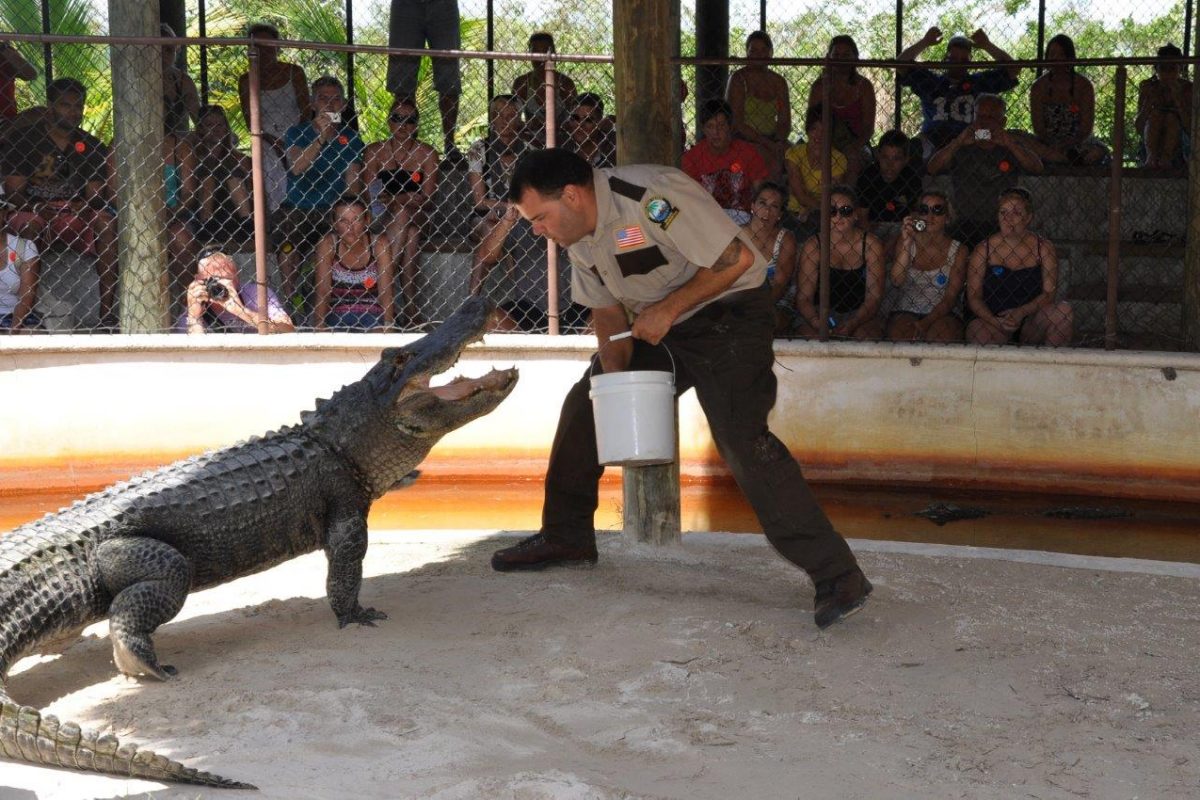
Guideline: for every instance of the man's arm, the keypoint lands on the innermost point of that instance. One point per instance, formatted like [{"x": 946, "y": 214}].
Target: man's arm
[
  {"x": 940, "y": 161},
  {"x": 931, "y": 37},
  {"x": 17, "y": 63},
  {"x": 491, "y": 249},
  {"x": 981, "y": 40},
  {"x": 653, "y": 323},
  {"x": 608, "y": 321}
]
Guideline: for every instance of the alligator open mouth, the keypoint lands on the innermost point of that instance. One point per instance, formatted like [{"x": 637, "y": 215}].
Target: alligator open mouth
[{"x": 460, "y": 388}]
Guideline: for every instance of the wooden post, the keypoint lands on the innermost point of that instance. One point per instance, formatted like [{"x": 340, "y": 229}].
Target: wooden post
[
  {"x": 1191, "y": 254},
  {"x": 138, "y": 133},
  {"x": 647, "y": 94}
]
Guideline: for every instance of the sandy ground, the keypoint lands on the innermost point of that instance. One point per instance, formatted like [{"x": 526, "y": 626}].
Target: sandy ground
[{"x": 692, "y": 672}]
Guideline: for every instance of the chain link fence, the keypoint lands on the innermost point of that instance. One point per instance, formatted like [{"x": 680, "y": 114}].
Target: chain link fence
[{"x": 425, "y": 147}]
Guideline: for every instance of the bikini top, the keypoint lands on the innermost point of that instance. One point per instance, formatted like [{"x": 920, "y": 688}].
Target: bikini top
[{"x": 400, "y": 181}]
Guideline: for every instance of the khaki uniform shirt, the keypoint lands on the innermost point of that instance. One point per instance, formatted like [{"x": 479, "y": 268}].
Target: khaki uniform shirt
[{"x": 655, "y": 229}]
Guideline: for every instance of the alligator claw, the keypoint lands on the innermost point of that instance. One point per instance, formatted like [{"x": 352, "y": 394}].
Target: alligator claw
[{"x": 363, "y": 616}]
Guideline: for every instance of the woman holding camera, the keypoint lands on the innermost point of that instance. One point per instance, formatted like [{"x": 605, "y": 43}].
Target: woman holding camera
[
  {"x": 856, "y": 275},
  {"x": 928, "y": 273},
  {"x": 217, "y": 302}
]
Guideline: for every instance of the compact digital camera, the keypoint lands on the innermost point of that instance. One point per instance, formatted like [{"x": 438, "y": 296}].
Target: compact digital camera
[{"x": 919, "y": 224}]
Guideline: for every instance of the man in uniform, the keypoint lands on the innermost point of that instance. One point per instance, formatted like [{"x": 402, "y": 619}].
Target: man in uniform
[{"x": 652, "y": 252}]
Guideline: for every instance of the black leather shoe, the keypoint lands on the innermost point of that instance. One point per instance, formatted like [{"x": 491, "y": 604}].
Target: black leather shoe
[
  {"x": 841, "y": 597},
  {"x": 539, "y": 551}
]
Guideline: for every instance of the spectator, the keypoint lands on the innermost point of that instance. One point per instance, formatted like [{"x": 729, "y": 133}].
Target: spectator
[
  {"x": 804, "y": 171},
  {"x": 55, "y": 175},
  {"x": 179, "y": 181},
  {"x": 856, "y": 275},
  {"x": 179, "y": 192},
  {"x": 889, "y": 186},
  {"x": 590, "y": 133},
  {"x": 324, "y": 157},
  {"x": 217, "y": 302},
  {"x": 726, "y": 167},
  {"x": 778, "y": 247},
  {"x": 530, "y": 89},
  {"x": 852, "y": 103},
  {"x": 12, "y": 66},
  {"x": 762, "y": 109},
  {"x": 401, "y": 174},
  {"x": 525, "y": 287},
  {"x": 1164, "y": 114},
  {"x": 181, "y": 101},
  {"x": 983, "y": 160},
  {"x": 1062, "y": 107},
  {"x": 283, "y": 102},
  {"x": 224, "y": 210},
  {"x": 948, "y": 100},
  {"x": 412, "y": 24},
  {"x": 282, "y": 88},
  {"x": 490, "y": 161},
  {"x": 354, "y": 273},
  {"x": 1012, "y": 282},
  {"x": 929, "y": 273},
  {"x": 18, "y": 281}
]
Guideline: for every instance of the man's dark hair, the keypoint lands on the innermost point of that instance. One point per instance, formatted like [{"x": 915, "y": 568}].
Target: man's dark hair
[
  {"x": 812, "y": 117},
  {"x": 894, "y": 138},
  {"x": 61, "y": 86},
  {"x": 548, "y": 172},
  {"x": 1170, "y": 50},
  {"x": 264, "y": 29},
  {"x": 714, "y": 107},
  {"x": 328, "y": 80},
  {"x": 591, "y": 100},
  {"x": 542, "y": 36}
]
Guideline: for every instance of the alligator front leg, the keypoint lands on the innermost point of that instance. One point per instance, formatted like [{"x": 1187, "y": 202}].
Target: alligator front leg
[
  {"x": 345, "y": 547},
  {"x": 148, "y": 581}
]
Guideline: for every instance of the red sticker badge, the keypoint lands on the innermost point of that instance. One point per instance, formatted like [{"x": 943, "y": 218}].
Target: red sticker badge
[
  {"x": 343, "y": 140},
  {"x": 890, "y": 206},
  {"x": 369, "y": 282},
  {"x": 1005, "y": 166},
  {"x": 966, "y": 87},
  {"x": 416, "y": 176},
  {"x": 735, "y": 166},
  {"x": 12, "y": 256},
  {"x": 80, "y": 147}
]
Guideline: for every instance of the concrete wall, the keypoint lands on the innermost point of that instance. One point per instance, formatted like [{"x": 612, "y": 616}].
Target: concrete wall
[{"x": 83, "y": 411}]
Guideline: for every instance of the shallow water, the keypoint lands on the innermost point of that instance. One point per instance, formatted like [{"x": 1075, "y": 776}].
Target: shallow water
[{"x": 1066, "y": 524}]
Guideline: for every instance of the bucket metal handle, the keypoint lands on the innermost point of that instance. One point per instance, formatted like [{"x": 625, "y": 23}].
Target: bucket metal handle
[{"x": 616, "y": 337}]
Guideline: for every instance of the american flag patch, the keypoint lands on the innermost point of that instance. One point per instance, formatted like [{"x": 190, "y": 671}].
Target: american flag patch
[{"x": 630, "y": 237}]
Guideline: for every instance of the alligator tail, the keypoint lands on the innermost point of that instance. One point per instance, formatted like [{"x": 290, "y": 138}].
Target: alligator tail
[{"x": 26, "y": 734}]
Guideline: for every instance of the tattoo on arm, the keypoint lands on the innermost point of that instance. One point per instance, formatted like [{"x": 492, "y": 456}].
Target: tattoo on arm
[{"x": 729, "y": 258}]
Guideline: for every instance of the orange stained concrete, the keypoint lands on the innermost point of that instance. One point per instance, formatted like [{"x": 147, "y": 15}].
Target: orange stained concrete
[{"x": 1146, "y": 529}]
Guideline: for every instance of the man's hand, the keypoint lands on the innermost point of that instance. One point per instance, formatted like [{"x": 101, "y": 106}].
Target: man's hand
[
  {"x": 654, "y": 323},
  {"x": 980, "y": 39},
  {"x": 932, "y": 36}
]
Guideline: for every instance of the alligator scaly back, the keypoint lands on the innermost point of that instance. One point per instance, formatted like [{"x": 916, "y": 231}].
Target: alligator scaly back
[
  {"x": 133, "y": 552},
  {"x": 29, "y": 735}
]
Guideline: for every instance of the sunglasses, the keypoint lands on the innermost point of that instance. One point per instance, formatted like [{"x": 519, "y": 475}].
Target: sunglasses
[
  {"x": 401, "y": 119},
  {"x": 938, "y": 210},
  {"x": 841, "y": 211},
  {"x": 584, "y": 118}
]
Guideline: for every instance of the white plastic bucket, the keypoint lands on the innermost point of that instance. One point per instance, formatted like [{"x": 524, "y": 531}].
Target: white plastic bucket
[{"x": 635, "y": 417}]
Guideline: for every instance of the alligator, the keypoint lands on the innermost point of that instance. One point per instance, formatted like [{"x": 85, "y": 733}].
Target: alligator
[{"x": 134, "y": 551}]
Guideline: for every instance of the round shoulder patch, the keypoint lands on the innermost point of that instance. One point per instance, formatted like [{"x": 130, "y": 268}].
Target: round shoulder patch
[{"x": 658, "y": 209}]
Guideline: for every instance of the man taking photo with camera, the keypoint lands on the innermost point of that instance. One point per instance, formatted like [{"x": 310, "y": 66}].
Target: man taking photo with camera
[
  {"x": 217, "y": 302},
  {"x": 983, "y": 160}
]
